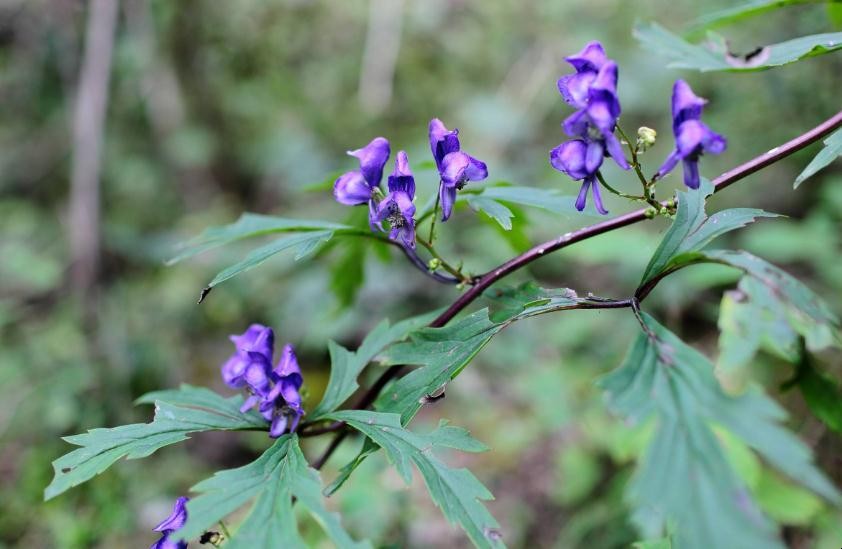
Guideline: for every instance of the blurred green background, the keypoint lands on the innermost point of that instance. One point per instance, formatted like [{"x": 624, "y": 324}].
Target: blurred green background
[{"x": 215, "y": 108}]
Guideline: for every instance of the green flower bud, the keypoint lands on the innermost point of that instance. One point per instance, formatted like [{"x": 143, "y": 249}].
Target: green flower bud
[
  {"x": 646, "y": 137},
  {"x": 434, "y": 264}
]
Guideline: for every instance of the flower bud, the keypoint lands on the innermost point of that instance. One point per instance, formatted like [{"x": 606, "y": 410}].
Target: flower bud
[
  {"x": 646, "y": 137},
  {"x": 650, "y": 213},
  {"x": 434, "y": 264}
]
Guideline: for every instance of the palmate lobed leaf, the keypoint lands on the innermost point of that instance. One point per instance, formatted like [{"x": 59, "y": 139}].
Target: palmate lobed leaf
[
  {"x": 277, "y": 476},
  {"x": 684, "y": 481},
  {"x": 457, "y": 492},
  {"x": 715, "y": 57},
  {"x": 191, "y": 410},
  {"x": 443, "y": 353}
]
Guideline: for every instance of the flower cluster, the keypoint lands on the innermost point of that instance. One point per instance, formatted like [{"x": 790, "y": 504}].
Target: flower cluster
[
  {"x": 362, "y": 186},
  {"x": 592, "y": 90},
  {"x": 275, "y": 391},
  {"x": 692, "y": 136},
  {"x": 170, "y": 524}
]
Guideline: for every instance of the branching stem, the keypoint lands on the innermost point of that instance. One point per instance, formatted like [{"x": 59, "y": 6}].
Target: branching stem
[{"x": 485, "y": 281}]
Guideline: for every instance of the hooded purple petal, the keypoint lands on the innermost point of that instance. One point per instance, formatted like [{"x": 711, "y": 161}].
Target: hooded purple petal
[
  {"x": 351, "y": 189},
  {"x": 257, "y": 338},
  {"x": 373, "y": 158},
  {"x": 686, "y": 105},
  {"x": 692, "y": 136},
  {"x": 591, "y": 58},
  {"x": 442, "y": 141},
  {"x": 401, "y": 179}
]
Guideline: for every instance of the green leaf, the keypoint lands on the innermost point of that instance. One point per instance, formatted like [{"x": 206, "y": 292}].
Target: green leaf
[
  {"x": 347, "y": 275},
  {"x": 831, "y": 151},
  {"x": 100, "y": 448},
  {"x": 346, "y": 366},
  {"x": 751, "y": 318},
  {"x": 306, "y": 243},
  {"x": 684, "y": 55},
  {"x": 785, "y": 502},
  {"x": 821, "y": 392},
  {"x": 247, "y": 226},
  {"x": 278, "y": 475},
  {"x": 444, "y": 352},
  {"x": 685, "y": 479},
  {"x": 457, "y": 492},
  {"x": 692, "y": 229},
  {"x": 200, "y": 397},
  {"x": 493, "y": 209},
  {"x": 740, "y": 12},
  {"x": 806, "y": 312}
]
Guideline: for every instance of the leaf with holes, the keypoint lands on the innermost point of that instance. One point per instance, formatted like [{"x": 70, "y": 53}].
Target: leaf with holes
[{"x": 714, "y": 56}]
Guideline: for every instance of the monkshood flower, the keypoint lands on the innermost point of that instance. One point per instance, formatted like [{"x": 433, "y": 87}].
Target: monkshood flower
[
  {"x": 282, "y": 406},
  {"x": 593, "y": 91},
  {"x": 275, "y": 391},
  {"x": 360, "y": 186},
  {"x": 397, "y": 208},
  {"x": 455, "y": 167},
  {"x": 692, "y": 136},
  {"x": 581, "y": 159},
  {"x": 170, "y": 524}
]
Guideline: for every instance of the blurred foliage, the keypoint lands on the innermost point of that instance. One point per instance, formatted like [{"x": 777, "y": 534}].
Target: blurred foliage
[{"x": 221, "y": 107}]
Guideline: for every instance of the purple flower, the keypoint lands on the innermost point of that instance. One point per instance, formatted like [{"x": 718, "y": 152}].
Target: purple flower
[
  {"x": 692, "y": 136},
  {"x": 170, "y": 524},
  {"x": 274, "y": 391},
  {"x": 256, "y": 341},
  {"x": 580, "y": 160},
  {"x": 593, "y": 90},
  {"x": 359, "y": 186},
  {"x": 455, "y": 167},
  {"x": 282, "y": 406},
  {"x": 398, "y": 207}
]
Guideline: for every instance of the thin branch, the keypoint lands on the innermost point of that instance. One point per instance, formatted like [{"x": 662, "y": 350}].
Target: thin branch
[{"x": 485, "y": 281}]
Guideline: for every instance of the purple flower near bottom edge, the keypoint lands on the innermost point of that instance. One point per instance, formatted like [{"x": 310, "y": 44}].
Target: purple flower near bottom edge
[
  {"x": 397, "y": 207},
  {"x": 693, "y": 137},
  {"x": 175, "y": 521},
  {"x": 581, "y": 160}
]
